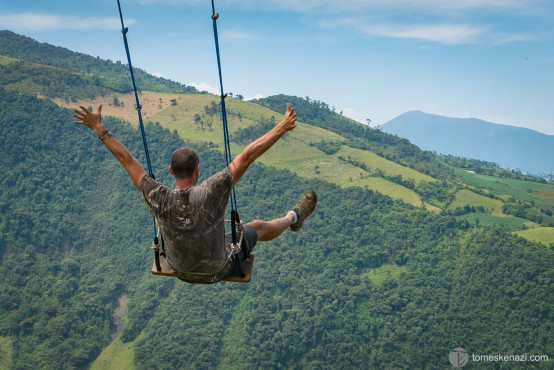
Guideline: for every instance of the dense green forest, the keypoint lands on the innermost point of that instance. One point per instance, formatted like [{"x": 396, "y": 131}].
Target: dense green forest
[
  {"x": 53, "y": 82},
  {"x": 76, "y": 238},
  {"x": 369, "y": 282},
  {"x": 21, "y": 47}
]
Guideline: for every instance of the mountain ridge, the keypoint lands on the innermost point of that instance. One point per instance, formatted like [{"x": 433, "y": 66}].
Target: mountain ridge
[
  {"x": 28, "y": 49},
  {"x": 510, "y": 146}
]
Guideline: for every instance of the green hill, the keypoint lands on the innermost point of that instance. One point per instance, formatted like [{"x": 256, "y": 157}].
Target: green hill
[
  {"x": 324, "y": 141},
  {"x": 372, "y": 279},
  {"x": 25, "y": 48}
]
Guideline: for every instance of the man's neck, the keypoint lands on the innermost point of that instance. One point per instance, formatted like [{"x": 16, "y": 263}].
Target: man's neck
[{"x": 184, "y": 183}]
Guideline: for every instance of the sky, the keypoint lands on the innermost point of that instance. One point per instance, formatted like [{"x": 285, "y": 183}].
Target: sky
[{"x": 369, "y": 59}]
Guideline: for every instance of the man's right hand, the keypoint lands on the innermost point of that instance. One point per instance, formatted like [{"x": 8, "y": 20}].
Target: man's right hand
[
  {"x": 289, "y": 122},
  {"x": 258, "y": 147}
]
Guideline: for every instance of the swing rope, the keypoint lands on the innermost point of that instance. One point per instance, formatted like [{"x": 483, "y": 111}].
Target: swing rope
[
  {"x": 234, "y": 212},
  {"x": 138, "y": 107}
]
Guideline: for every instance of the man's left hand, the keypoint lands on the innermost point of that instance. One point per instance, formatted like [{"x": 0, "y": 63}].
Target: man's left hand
[{"x": 90, "y": 119}]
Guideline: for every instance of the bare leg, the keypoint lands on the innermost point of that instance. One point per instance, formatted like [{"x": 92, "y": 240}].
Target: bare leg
[{"x": 269, "y": 230}]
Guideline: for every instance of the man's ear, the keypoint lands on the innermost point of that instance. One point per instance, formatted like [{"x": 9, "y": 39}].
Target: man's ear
[{"x": 170, "y": 170}]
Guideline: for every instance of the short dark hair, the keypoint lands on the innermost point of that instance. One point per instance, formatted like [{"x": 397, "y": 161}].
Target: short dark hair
[{"x": 184, "y": 162}]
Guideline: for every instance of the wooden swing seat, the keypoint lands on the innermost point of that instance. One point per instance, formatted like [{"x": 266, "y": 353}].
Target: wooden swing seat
[{"x": 247, "y": 266}]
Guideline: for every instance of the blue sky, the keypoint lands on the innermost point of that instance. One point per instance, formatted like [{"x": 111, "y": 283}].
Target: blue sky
[{"x": 370, "y": 59}]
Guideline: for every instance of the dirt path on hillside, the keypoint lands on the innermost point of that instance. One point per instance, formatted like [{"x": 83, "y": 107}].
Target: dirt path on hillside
[
  {"x": 123, "y": 106},
  {"x": 118, "y": 315}
]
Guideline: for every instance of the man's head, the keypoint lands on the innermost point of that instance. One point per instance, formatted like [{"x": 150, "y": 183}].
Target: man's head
[{"x": 184, "y": 163}]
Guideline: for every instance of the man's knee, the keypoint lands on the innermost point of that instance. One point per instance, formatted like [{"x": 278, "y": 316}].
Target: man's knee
[{"x": 258, "y": 225}]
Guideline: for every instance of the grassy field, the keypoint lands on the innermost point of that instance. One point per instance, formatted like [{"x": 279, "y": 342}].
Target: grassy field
[
  {"x": 117, "y": 355},
  {"x": 544, "y": 235},
  {"x": 293, "y": 152},
  {"x": 375, "y": 162},
  {"x": 485, "y": 219},
  {"x": 4, "y": 60},
  {"x": 544, "y": 194},
  {"x": 152, "y": 104},
  {"x": 379, "y": 275},
  {"x": 431, "y": 207},
  {"x": 389, "y": 188},
  {"x": 6, "y": 352},
  {"x": 540, "y": 194},
  {"x": 467, "y": 197}
]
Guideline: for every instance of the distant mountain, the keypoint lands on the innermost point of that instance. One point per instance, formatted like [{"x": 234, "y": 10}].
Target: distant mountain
[{"x": 510, "y": 147}]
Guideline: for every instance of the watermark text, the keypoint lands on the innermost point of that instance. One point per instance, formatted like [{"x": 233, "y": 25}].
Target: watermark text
[{"x": 459, "y": 357}]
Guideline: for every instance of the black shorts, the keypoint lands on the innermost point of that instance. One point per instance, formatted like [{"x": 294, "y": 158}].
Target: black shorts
[{"x": 249, "y": 240}]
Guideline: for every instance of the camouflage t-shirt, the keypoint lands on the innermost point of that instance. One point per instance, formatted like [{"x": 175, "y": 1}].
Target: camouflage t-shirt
[{"x": 192, "y": 224}]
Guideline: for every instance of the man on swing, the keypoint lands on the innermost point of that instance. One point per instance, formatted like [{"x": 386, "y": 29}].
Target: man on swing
[{"x": 191, "y": 216}]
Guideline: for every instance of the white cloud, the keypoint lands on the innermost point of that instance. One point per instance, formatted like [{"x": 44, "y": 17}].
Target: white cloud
[
  {"x": 157, "y": 74},
  {"x": 204, "y": 86},
  {"x": 256, "y": 96},
  {"x": 506, "y": 38},
  {"x": 43, "y": 21},
  {"x": 447, "y": 22},
  {"x": 442, "y": 33},
  {"x": 236, "y": 36},
  {"x": 355, "y": 115}
]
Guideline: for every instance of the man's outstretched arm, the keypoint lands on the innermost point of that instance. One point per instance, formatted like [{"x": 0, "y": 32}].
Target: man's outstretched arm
[
  {"x": 94, "y": 121},
  {"x": 258, "y": 147}
]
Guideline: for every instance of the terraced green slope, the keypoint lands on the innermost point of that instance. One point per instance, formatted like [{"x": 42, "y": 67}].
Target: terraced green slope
[{"x": 363, "y": 157}]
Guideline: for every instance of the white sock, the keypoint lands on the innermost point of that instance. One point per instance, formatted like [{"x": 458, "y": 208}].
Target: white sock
[{"x": 295, "y": 215}]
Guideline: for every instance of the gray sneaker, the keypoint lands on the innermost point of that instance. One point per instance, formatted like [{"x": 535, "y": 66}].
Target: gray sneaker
[{"x": 304, "y": 208}]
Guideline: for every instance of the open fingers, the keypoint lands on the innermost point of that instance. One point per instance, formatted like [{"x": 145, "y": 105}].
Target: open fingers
[
  {"x": 80, "y": 115},
  {"x": 78, "y": 112}
]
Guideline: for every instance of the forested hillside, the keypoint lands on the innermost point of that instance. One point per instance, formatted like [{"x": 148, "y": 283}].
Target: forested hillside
[
  {"x": 88, "y": 67},
  {"x": 360, "y": 136},
  {"x": 369, "y": 282},
  {"x": 323, "y": 142},
  {"x": 478, "y": 191}
]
